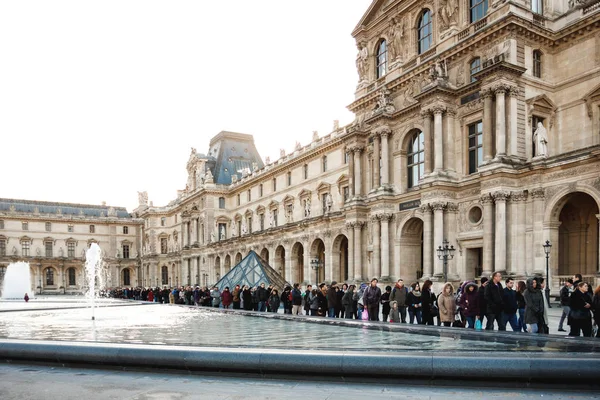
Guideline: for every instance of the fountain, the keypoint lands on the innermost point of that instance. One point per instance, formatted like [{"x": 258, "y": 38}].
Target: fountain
[
  {"x": 17, "y": 281},
  {"x": 93, "y": 260}
]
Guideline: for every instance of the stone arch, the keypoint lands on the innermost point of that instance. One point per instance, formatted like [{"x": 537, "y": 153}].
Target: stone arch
[
  {"x": 238, "y": 258},
  {"x": 227, "y": 264},
  {"x": 404, "y": 141},
  {"x": 410, "y": 242},
  {"x": 71, "y": 277},
  {"x": 50, "y": 277},
  {"x": 297, "y": 260},
  {"x": 317, "y": 252},
  {"x": 126, "y": 276},
  {"x": 264, "y": 254},
  {"x": 279, "y": 260},
  {"x": 339, "y": 251},
  {"x": 572, "y": 228}
]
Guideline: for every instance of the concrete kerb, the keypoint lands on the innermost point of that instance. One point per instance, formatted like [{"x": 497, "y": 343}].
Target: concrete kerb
[{"x": 466, "y": 366}]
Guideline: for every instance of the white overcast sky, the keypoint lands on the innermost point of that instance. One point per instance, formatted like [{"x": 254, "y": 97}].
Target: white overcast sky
[{"x": 100, "y": 99}]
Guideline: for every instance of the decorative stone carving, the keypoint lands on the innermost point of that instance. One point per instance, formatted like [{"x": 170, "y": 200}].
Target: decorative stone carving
[
  {"x": 486, "y": 199},
  {"x": 267, "y": 160},
  {"x": 518, "y": 196},
  {"x": 448, "y": 14},
  {"x": 397, "y": 42},
  {"x": 298, "y": 146},
  {"x": 537, "y": 193},
  {"x": 452, "y": 207},
  {"x": 208, "y": 177},
  {"x": 497, "y": 52},
  {"x": 384, "y": 103},
  {"x": 438, "y": 205},
  {"x": 244, "y": 227},
  {"x": 143, "y": 198},
  {"x": 281, "y": 153},
  {"x": 362, "y": 64},
  {"x": 307, "y": 208},
  {"x": 540, "y": 139},
  {"x": 222, "y": 234},
  {"x": 315, "y": 136},
  {"x": 501, "y": 196},
  {"x": 328, "y": 203},
  {"x": 460, "y": 75}
]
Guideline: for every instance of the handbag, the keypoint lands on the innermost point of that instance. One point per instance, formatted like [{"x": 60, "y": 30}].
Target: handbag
[
  {"x": 478, "y": 326},
  {"x": 457, "y": 322},
  {"x": 365, "y": 315},
  {"x": 434, "y": 311}
]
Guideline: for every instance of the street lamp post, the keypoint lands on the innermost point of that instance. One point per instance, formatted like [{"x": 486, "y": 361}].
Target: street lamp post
[
  {"x": 445, "y": 253},
  {"x": 547, "y": 247},
  {"x": 315, "y": 264}
]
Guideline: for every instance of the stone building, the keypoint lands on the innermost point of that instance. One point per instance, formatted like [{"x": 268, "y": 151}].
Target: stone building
[
  {"x": 476, "y": 122},
  {"x": 53, "y": 238}
]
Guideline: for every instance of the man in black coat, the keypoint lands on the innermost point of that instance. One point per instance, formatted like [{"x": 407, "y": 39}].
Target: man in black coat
[
  {"x": 263, "y": 296},
  {"x": 371, "y": 299},
  {"x": 494, "y": 303},
  {"x": 481, "y": 298}
]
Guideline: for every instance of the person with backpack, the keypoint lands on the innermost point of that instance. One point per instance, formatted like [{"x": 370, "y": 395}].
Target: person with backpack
[
  {"x": 399, "y": 295},
  {"x": 296, "y": 299}
]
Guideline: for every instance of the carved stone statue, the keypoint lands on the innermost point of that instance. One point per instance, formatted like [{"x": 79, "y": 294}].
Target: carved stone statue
[
  {"x": 244, "y": 227},
  {"x": 362, "y": 62},
  {"x": 212, "y": 237},
  {"x": 193, "y": 150},
  {"x": 298, "y": 146},
  {"x": 397, "y": 35},
  {"x": 307, "y": 208},
  {"x": 208, "y": 176},
  {"x": 14, "y": 250},
  {"x": 222, "y": 235},
  {"x": 448, "y": 15},
  {"x": 328, "y": 203},
  {"x": 267, "y": 160},
  {"x": 233, "y": 228},
  {"x": 143, "y": 198},
  {"x": 289, "y": 213},
  {"x": 281, "y": 153},
  {"x": 117, "y": 254},
  {"x": 61, "y": 252},
  {"x": 540, "y": 138},
  {"x": 38, "y": 252},
  {"x": 384, "y": 103},
  {"x": 271, "y": 220}
]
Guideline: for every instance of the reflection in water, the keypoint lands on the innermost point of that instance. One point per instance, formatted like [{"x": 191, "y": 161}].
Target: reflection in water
[{"x": 156, "y": 324}]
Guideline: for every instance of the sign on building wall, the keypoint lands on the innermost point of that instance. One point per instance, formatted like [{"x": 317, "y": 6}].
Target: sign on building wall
[{"x": 409, "y": 205}]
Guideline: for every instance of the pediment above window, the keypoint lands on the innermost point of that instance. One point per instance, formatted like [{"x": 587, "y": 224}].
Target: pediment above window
[
  {"x": 288, "y": 199},
  {"x": 541, "y": 105},
  {"x": 304, "y": 193},
  {"x": 260, "y": 209},
  {"x": 323, "y": 187},
  {"x": 592, "y": 97},
  {"x": 25, "y": 239},
  {"x": 273, "y": 204},
  {"x": 374, "y": 11}
]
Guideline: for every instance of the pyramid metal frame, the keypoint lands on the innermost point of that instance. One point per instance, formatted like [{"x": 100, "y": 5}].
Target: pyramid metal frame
[{"x": 252, "y": 271}]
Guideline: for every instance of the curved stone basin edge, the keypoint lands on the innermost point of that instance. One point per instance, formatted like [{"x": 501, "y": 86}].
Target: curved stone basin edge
[{"x": 526, "y": 366}]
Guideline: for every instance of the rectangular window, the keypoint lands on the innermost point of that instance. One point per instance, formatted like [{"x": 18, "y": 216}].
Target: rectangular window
[
  {"x": 70, "y": 228},
  {"x": 249, "y": 224},
  {"x": 49, "y": 277},
  {"x": 48, "y": 246},
  {"x": 261, "y": 218},
  {"x": 324, "y": 163},
  {"x": 346, "y": 193},
  {"x": 249, "y": 196},
  {"x": 2, "y": 247},
  {"x": 25, "y": 226},
  {"x": 260, "y": 190},
  {"x": 1, "y": 224},
  {"x": 163, "y": 221},
  {"x": 289, "y": 178},
  {"x": 71, "y": 249},
  {"x": 537, "y": 63},
  {"x": 478, "y": 9},
  {"x": 125, "y": 251},
  {"x": 537, "y": 6},
  {"x": 48, "y": 227},
  {"x": 238, "y": 199},
  {"x": 221, "y": 202},
  {"x": 475, "y": 146},
  {"x": 72, "y": 278},
  {"x": 163, "y": 246},
  {"x": 274, "y": 184},
  {"x": 92, "y": 229},
  {"x": 305, "y": 169},
  {"x": 125, "y": 230},
  {"x": 25, "y": 248}
]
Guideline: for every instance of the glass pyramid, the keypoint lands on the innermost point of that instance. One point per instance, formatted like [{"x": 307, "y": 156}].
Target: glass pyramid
[{"x": 252, "y": 271}]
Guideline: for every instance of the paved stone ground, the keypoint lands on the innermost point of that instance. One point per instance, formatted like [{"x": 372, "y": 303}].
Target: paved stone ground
[{"x": 23, "y": 382}]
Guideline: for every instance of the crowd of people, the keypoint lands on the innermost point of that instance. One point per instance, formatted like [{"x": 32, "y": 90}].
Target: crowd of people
[{"x": 522, "y": 305}]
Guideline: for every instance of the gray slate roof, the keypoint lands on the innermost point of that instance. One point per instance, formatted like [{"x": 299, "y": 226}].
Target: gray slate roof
[{"x": 44, "y": 207}]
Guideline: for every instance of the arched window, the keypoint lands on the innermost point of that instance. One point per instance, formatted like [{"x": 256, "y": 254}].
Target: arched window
[
  {"x": 537, "y": 63},
  {"x": 72, "y": 277},
  {"x": 165, "y": 275},
  {"x": 478, "y": 9},
  {"x": 416, "y": 159},
  {"x": 474, "y": 67},
  {"x": 49, "y": 277},
  {"x": 381, "y": 59},
  {"x": 425, "y": 31},
  {"x": 126, "y": 277}
]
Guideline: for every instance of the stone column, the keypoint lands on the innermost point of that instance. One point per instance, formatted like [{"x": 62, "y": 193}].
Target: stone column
[
  {"x": 376, "y": 161},
  {"x": 449, "y": 140},
  {"x": 351, "y": 172},
  {"x": 539, "y": 257},
  {"x": 438, "y": 234},
  {"x": 500, "y": 121},
  {"x": 385, "y": 246},
  {"x": 427, "y": 241},
  {"x": 598, "y": 216},
  {"x": 184, "y": 233},
  {"x": 517, "y": 232},
  {"x": 358, "y": 250},
  {"x": 500, "y": 237},
  {"x": 376, "y": 264},
  {"x": 385, "y": 158},
  {"x": 488, "y": 234},
  {"x": 426, "y": 114},
  {"x": 195, "y": 231},
  {"x": 357, "y": 172},
  {"x": 488, "y": 134},
  {"x": 512, "y": 120},
  {"x": 438, "y": 137},
  {"x": 350, "y": 229}
]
